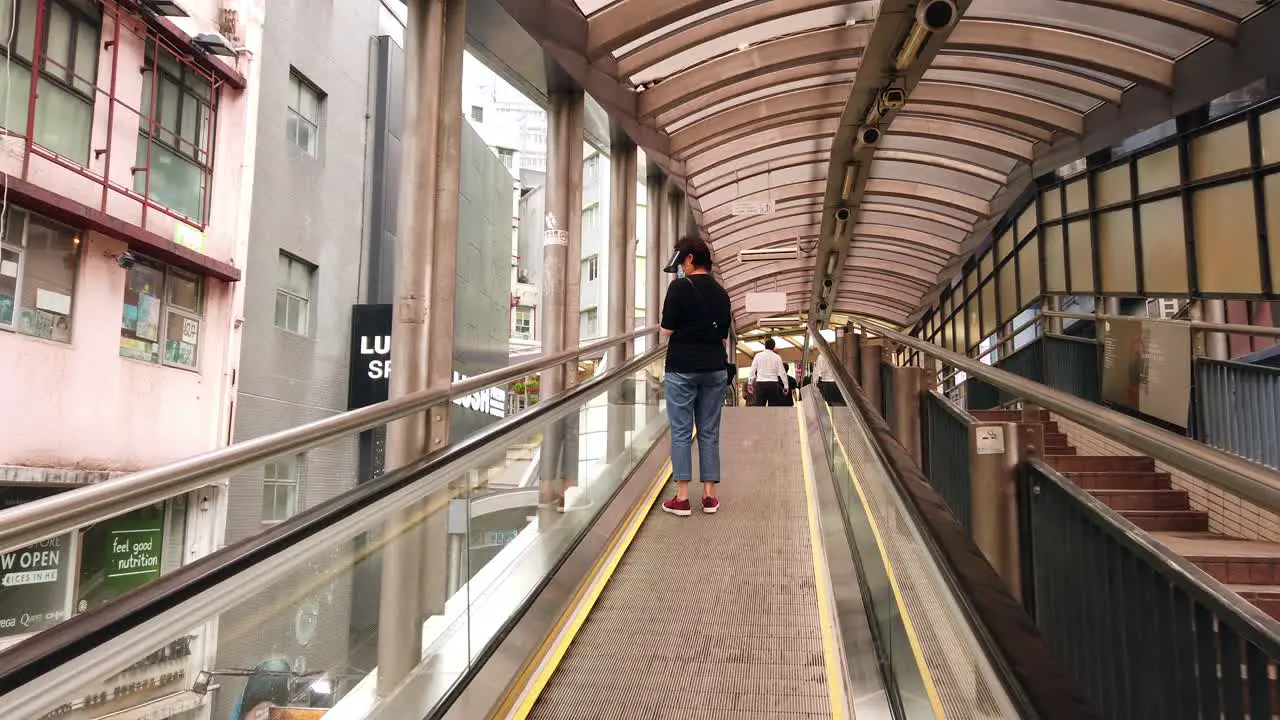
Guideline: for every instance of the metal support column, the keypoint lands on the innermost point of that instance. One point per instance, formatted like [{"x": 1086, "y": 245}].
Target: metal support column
[
  {"x": 421, "y": 301},
  {"x": 1216, "y": 346},
  {"x": 908, "y": 383},
  {"x": 622, "y": 203},
  {"x": 996, "y": 451},
  {"x": 561, "y": 256},
  {"x": 655, "y": 224},
  {"x": 870, "y": 356},
  {"x": 854, "y": 361},
  {"x": 632, "y": 244}
]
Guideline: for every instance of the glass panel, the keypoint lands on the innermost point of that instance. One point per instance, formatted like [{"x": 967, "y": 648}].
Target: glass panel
[
  {"x": 58, "y": 44},
  {"x": 984, "y": 266},
  {"x": 1055, "y": 260},
  {"x": 1116, "y": 252},
  {"x": 1008, "y": 276},
  {"x": 1112, "y": 186},
  {"x": 1051, "y": 201},
  {"x": 48, "y": 281},
  {"x": 184, "y": 291},
  {"x": 1029, "y": 270},
  {"x": 1271, "y": 194},
  {"x": 1164, "y": 247},
  {"x": 1027, "y": 221},
  {"x": 1270, "y": 132},
  {"x": 1220, "y": 151},
  {"x": 1078, "y": 196},
  {"x": 86, "y": 67},
  {"x": 1004, "y": 245},
  {"x": 1158, "y": 171},
  {"x": 181, "y": 340},
  {"x": 1226, "y": 229},
  {"x": 990, "y": 312},
  {"x": 10, "y": 262},
  {"x": 282, "y": 310},
  {"x": 16, "y": 86},
  {"x": 973, "y": 329},
  {"x": 1081, "y": 256},
  {"x": 140, "y": 322},
  {"x": 176, "y": 182},
  {"x": 64, "y": 121}
]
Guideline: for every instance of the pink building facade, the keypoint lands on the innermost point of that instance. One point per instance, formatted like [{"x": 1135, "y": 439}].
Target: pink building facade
[{"x": 124, "y": 232}]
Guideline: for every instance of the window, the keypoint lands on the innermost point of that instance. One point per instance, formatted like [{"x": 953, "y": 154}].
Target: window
[
  {"x": 68, "y": 72},
  {"x": 173, "y": 166},
  {"x": 593, "y": 267},
  {"x": 162, "y": 311},
  {"x": 38, "y": 261},
  {"x": 303, "y": 125},
  {"x": 280, "y": 489},
  {"x": 293, "y": 294},
  {"x": 477, "y": 114},
  {"x": 507, "y": 156},
  {"x": 522, "y": 323},
  {"x": 590, "y": 327}
]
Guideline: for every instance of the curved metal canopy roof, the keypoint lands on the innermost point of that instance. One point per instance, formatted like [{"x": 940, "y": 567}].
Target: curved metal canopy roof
[{"x": 759, "y": 100}]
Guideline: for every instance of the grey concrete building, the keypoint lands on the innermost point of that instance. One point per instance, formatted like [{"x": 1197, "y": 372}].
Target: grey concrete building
[{"x": 323, "y": 236}]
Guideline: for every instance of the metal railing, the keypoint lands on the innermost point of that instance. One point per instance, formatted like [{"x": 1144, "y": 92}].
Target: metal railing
[
  {"x": 946, "y": 456},
  {"x": 49, "y": 517},
  {"x": 1238, "y": 409},
  {"x": 1146, "y": 633},
  {"x": 1233, "y": 474}
]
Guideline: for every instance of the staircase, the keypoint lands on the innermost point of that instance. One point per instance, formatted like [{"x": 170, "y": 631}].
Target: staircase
[{"x": 1133, "y": 487}]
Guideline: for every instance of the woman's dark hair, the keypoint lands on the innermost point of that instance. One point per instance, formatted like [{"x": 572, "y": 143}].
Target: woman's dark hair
[
  {"x": 696, "y": 248},
  {"x": 769, "y": 344}
]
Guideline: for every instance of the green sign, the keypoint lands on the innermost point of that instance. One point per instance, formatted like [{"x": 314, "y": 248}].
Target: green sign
[
  {"x": 187, "y": 236},
  {"x": 120, "y": 554}
]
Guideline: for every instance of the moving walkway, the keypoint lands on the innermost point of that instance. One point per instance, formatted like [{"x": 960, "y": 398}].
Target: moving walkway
[{"x": 816, "y": 591}]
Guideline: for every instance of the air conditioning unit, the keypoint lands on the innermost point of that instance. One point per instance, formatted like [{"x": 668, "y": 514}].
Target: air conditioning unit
[{"x": 790, "y": 252}]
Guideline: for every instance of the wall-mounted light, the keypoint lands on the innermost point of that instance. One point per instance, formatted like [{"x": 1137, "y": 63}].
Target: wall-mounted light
[
  {"x": 931, "y": 16},
  {"x": 214, "y": 44}
]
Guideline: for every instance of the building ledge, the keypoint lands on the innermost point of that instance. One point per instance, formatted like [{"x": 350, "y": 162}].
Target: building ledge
[{"x": 78, "y": 215}]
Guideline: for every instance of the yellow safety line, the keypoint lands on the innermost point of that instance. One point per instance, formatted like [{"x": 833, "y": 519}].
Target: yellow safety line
[
  {"x": 830, "y": 658},
  {"x": 912, "y": 638},
  {"x": 580, "y": 610}
]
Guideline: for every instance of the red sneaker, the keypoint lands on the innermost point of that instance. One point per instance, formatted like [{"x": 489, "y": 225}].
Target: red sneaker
[
  {"x": 710, "y": 505},
  {"x": 677, "y": 507}
]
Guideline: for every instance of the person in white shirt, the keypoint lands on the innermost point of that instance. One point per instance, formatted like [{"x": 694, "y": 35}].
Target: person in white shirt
[
  {"x": 825, "y": 376},
  {"x": 769, "y": 376}
]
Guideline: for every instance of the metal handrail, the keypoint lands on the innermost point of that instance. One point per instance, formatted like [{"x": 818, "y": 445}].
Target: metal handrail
[
  {"x": 1224, "y": 328},
  {"x": 53, "y": 516},
  {"x": 1235, "y": 475}
]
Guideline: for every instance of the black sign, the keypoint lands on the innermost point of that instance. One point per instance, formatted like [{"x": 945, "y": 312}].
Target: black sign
[
  {"x": 370, "y": 355},
  {"x": 33, "y": 580}
]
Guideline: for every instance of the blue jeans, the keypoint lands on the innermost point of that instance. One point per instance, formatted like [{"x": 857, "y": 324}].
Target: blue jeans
[{"x": 695, "y": 399}]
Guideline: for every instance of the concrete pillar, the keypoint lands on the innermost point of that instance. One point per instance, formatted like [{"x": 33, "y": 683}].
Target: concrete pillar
[
  {"x": 622, "y": 204},
  {"x": 996, "y": 452},
  {"x": 870, "y": 355},
  {"x": 413, "y": 577},
  {"x": 908, "y": 383},
  {"x": 655, "y": 258}
]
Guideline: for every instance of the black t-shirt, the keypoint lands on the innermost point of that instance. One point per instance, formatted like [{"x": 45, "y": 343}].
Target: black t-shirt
[{"x": 697, "y": 312}]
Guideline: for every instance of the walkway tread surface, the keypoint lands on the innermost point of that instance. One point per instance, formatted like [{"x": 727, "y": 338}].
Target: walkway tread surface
[{"x": 709, "y": 616}]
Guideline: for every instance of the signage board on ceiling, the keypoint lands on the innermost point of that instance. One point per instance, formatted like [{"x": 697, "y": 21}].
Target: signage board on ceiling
[
  {"x": 766, "y": 302},
  {"x": 752, "y": 207},
  {"x": 370, "y": 370}
]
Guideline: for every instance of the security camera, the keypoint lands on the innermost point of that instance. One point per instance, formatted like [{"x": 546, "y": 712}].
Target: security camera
[
  {"x": 868, "y": 136},
  {"x": 892, "y": 99},
  {"x": 822, "y": 307},
  {"x": 126, "y": 260},
  {"x": 827, "y": 282},
  {"x": 843, "y": 214},
  {"x": 936, "y": 15}
]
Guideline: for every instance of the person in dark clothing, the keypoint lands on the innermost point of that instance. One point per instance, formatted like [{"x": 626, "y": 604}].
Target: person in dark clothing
[
  {"x": 789, "y": 394},
  {"x": 695, "y": 319},
  {"x": 768, "y": 376}
]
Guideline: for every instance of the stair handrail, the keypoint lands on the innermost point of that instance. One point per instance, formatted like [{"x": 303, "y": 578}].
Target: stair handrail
[
  {"x": 1235, "y": 475},
  {"x": 49, "y": 517}
]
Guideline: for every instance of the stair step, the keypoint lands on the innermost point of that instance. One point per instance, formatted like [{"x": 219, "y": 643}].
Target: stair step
[
  {"x": 1264, "y": 597},
  {"x": 1004, "y": 415},
  {"x": 1100, "y": 463},
  {"x": 1059, "y": 450},
  {"x": 1121, "y": 480},
  {"x": 1125, "y": 500},
  {"x": 1168, "y": 520},
  {"x": 1056, "y": 438}
]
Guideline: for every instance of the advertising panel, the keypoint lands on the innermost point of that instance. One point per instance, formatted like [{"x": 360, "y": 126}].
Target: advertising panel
[
  {"x": 1146, "y": 366},
  {"x": 118, "y": 555}
]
